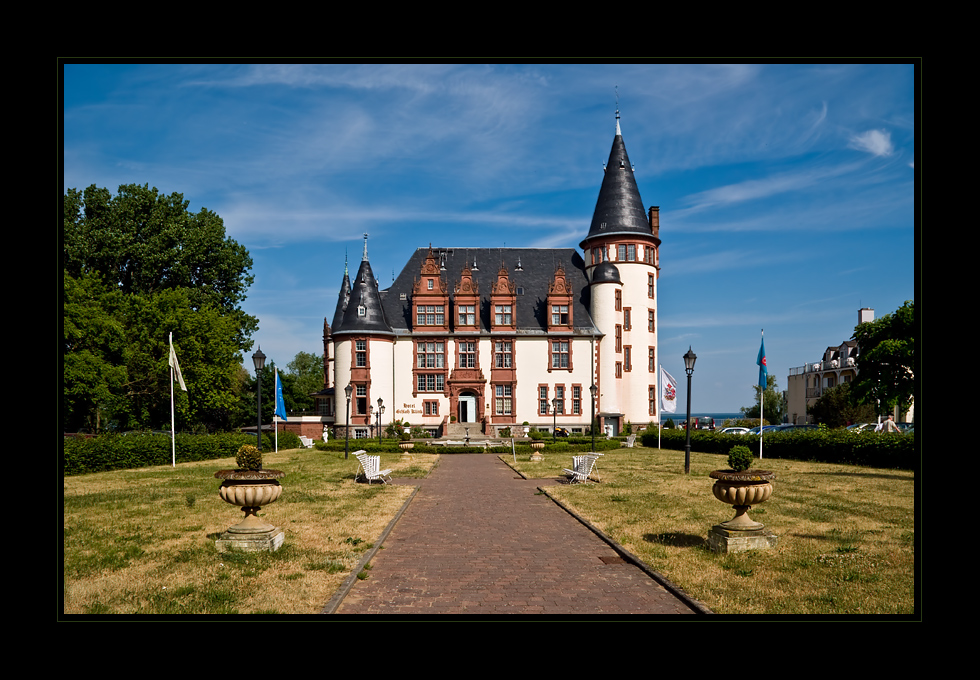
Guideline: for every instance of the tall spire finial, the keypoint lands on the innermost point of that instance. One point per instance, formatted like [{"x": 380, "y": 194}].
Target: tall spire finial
[
  {"x": 618, "y": 131},
  {"x": 364, "y": 258}
]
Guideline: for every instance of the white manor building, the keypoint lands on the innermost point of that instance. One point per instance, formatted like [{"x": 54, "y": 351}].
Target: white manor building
[{"x": 470, "y": 341}]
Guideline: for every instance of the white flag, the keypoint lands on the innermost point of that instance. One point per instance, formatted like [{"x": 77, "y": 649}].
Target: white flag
[
  {"x": 174, "y": 365},
  {"x": 668, "y": 392}
]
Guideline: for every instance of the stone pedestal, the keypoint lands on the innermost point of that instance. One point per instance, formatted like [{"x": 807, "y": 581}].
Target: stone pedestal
[
  {"x": 251, "y": 541},
  {"x": 723, "y": 540}
]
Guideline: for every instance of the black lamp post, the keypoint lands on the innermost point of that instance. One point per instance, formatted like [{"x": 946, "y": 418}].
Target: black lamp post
[
  {"x": 258, "y": 360},
  {"x": 554, "y": 418},
  {"x": 689, "y": 360},
  {"x": 347, "y": 390},
  {"x": 593, "y": 390},
  {"x": 381, "y": 409}
]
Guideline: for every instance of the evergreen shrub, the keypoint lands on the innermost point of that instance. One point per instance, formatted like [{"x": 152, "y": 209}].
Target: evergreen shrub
[
  {"x": 871, "y": 449},
  {"x": 127, "y": 451}
]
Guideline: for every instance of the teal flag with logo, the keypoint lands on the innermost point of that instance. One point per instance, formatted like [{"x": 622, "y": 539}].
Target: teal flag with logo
[{"x": 763, "y": 370}]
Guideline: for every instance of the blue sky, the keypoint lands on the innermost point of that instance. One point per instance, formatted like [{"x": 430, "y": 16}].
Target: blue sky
[{"x": 787, "y": 192}]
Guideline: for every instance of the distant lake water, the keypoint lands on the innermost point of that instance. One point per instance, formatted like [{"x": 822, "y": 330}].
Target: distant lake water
[{"x": 719, "y": 417}]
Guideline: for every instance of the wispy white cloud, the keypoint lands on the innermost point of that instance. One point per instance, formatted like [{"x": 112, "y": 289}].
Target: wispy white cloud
[
  {"x": 876, "y": 142},
  {"x": 764, "y": 188}
]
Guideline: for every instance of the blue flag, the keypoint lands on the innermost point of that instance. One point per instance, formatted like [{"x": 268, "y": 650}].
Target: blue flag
[
  {"x": 280, "y": 404},
  {"x": 761, "y": 361}
]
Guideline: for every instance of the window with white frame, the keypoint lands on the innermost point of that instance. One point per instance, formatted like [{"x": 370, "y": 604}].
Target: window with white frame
[
  {"x": 431, "y": 382},
  {"x": 559, "y": 315},
  {"x": 559, "y": 354},
  {"x": 503, "y": 400},
  {"x": 503, "y": 354},
  {"x": 431, "y": 355},
  {"x": 467, "y": 355},
  {"x": 430, "y": 315}
]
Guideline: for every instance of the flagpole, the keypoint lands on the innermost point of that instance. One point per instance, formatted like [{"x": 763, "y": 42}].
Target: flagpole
[
  {"x": 173, "y": 435},
  {"x": 762, "y": 396},
  {"x": 660, "y": 398},
  {"x": 762, "y": 393}
]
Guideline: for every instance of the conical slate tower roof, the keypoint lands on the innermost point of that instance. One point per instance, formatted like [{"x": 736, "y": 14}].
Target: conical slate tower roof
[
  {"x": 364, "y": 313},
  {"x": 338, "y": 315},
  {"x": 619, "y": 209}
]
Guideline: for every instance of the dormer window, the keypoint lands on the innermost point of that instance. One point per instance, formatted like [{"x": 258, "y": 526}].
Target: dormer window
[
  {"x": 361, "y": 310},
  {"x": 430, "y": 315},
  {"x": 430, "y": 284}
]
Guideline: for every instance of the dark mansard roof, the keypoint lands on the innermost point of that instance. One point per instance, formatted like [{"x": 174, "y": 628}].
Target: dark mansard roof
[{"x": 531, "y": 270}]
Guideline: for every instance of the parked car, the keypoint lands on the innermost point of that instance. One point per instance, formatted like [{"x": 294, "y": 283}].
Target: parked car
[
  {"x": 735, "y": 430},
  {"x": 767, "y": 428},
  {"x": 862, "y": 427}
]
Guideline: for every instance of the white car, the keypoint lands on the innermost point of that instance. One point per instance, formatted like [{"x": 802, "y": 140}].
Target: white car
[{"x": 735, "y": 430}]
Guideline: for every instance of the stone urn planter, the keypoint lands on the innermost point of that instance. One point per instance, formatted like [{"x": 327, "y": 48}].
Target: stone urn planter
[
  {"x": 741, "y": 487},
  {"x": 406, "y": 447},
  {"x": 250, "y": 490},
  {"x": 536, "y": 454},
  {"x": 742, "y": 490}
]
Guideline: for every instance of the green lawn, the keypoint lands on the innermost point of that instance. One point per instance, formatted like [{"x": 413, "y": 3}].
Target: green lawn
[
  {"x": 143, "y": 541},
  {"x": 846, "y": 534}
]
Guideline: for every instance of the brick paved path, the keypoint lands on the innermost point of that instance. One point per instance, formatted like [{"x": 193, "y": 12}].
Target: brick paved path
[{"x": 477, "y": 539}]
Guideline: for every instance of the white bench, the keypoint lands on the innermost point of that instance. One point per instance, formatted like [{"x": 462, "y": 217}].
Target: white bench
[
  {"x": 630, "y": 441},
  {"x": 307, "y": 442},
  {"x": 582, "y": 467},
  {"x": 370, "y": 468}
]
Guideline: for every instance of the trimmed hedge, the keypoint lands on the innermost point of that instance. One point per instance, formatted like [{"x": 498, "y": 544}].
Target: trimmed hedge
[
  {"x": 391, "y": 446},
  {"x": 120, "y": 452},
  {"x": 870, "y": 449}
]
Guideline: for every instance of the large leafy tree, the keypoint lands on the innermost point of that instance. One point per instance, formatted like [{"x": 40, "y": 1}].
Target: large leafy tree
[
  {"x": 836, "y": 408},
  {"x": 886, "y": 360},
  {"x": 137, "y": 267},
  {"x": 307, "y": 371},
  {"x": 773, "y": 402}
]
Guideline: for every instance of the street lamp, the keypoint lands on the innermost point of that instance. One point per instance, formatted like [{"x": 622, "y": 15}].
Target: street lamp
[
  {"x": 593, "y": 390},
  {"x": 689, "y": 360},
  {"x": 258, "y": 360},
  {"x": 554, "y": 418},
  {"x": 347, "y": 390},
  {"x": 381, "y": 409}
]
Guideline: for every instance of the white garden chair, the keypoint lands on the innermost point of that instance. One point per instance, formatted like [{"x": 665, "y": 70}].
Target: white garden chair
[
  {"x": 583, "y": 466},
  {"x": 370, "y": 468}
]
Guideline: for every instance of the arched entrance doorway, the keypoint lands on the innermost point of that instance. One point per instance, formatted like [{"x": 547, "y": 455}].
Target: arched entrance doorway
[{"x": 466, "y": 407}]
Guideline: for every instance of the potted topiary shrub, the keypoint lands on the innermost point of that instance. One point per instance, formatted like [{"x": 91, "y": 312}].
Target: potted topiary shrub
[
  {"x": 742, "y": 487},
  {"x": 250, "y": 487}
]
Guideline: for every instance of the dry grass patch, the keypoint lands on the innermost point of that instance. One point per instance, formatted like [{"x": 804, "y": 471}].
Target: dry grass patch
[
  {"x": 846, "y": 534},
  {"x": 142, "y": 541}
]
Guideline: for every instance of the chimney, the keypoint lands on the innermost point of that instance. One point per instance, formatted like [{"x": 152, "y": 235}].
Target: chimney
[
  {"x": 655, "y": 220},
  {"x": 866, "y": 314}
]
